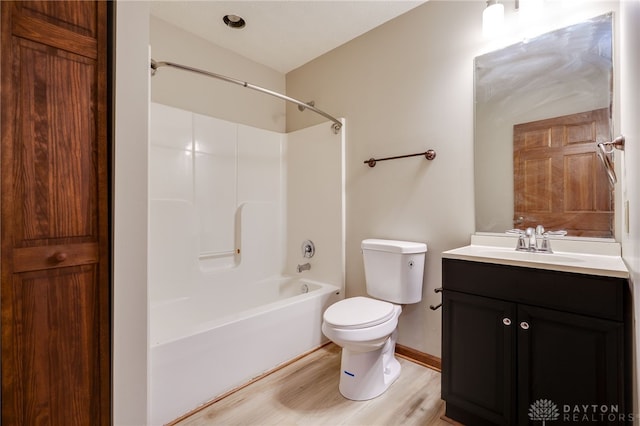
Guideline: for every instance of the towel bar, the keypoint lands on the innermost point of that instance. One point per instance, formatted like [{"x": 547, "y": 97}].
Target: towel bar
[{"x": 429, "y": 155}]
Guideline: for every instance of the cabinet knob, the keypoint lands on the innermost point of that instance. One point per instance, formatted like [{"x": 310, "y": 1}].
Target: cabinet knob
[
  {"x": 524, "y": 325},
  {"x": 506, "y": 321}
]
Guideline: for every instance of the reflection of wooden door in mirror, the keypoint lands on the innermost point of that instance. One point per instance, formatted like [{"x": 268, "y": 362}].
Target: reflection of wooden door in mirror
[{"x": 558, "y": 181}]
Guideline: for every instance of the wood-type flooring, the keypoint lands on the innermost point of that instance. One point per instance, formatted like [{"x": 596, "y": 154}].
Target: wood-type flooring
[{"x": 305, "y": 392}]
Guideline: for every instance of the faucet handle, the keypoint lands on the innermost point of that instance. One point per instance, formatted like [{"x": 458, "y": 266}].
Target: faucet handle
[
  {"x": 545, "y": 245},
  {"x": 539, "y": 230},
  {"x": 522, "y": 243}
]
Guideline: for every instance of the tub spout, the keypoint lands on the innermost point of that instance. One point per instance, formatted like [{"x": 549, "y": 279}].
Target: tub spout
[{"x": 304, "y": 267}]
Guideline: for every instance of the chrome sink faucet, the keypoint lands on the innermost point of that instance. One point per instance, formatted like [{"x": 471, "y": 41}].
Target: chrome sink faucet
[{"x": 534, "y": 240}]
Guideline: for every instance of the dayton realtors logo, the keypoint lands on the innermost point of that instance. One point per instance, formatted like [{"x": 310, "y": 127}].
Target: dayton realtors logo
[{"x": 546, "y": 410}]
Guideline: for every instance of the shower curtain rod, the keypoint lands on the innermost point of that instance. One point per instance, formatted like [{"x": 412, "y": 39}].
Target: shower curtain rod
[{"x": 336, "y": 126}]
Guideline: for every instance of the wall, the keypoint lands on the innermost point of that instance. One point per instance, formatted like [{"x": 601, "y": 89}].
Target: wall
[
  {"x": 629, "y": 101},
  {"x": 130, "y": 211},
  {"x": 315, "y": 203},
  {"x": 404, "y": 90},
  {"x": 405, "y": 87},
  {"x": 210, "y": 97}
]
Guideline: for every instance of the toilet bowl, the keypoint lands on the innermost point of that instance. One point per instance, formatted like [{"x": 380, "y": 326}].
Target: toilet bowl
[{"x": 365, "y": 328}]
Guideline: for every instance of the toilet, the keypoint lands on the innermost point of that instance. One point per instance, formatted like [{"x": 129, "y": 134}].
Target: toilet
[{"x": 366, "y": 327}]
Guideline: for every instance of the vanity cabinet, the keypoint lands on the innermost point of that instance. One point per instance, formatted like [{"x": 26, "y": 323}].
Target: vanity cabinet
[{"x": 514, "y": 337}]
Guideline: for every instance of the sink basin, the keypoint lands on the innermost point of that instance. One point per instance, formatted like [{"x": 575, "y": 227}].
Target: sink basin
[
  {"x": 527, "y": 256},
  {"x": 568, "y": 261}
]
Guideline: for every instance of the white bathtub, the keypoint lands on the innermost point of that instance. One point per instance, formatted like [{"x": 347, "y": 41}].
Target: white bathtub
[{"x": 202, "y": 347}]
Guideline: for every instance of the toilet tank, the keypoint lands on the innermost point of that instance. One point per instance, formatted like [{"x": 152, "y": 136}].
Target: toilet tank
[{"x": 394, "y": 269}]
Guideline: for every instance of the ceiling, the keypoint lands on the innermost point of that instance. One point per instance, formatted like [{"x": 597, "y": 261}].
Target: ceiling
[{"x": 282, "y": 35}]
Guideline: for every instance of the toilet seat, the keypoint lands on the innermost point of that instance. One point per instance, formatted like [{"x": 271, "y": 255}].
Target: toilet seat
[{"x": 358, "y": 313}]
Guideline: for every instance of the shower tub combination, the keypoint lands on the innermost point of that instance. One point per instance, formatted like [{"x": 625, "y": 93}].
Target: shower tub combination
[
  {"x": 202, "y": 349},
  {"x": 222, "y": 310}
]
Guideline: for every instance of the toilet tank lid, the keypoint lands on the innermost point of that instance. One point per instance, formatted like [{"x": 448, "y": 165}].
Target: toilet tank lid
[{"x": 394, "y": 246}]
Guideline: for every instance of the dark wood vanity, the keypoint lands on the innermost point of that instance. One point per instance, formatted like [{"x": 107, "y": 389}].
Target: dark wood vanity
[{"x": 521, "y": 345}]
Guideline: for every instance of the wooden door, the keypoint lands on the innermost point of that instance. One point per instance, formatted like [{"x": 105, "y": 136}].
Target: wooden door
[
  {"x": 54, "y": 232},
  {"x": 558, "y": 180},
  {"x": 478, "y": 358}
]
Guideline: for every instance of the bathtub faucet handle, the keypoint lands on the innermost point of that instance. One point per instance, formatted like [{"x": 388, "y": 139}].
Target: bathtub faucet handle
[
  {"x": 308, "y": 249},
  {"x": 304, "y": 267}
]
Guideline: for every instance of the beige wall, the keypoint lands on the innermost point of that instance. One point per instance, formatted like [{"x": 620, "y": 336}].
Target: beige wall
[
  {"x": 313, "y": 188},
  {"x": 404, "y": 87},
  {"x": 130, "y": 213},
  {"x": 207, "y": 96}
]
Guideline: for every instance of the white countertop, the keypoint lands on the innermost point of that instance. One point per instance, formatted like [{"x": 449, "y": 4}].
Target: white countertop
[{"x": 584, "y": 256}]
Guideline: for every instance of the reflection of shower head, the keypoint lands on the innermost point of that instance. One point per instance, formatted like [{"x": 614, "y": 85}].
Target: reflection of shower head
[
  {"x": 604, "y": 149},
  {"x": 603, "y": 155}
]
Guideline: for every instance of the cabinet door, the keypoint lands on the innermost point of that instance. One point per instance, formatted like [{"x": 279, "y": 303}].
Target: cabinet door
[
  {"x": 478, "y": 358},
  {"x": 573, "y": 361}
]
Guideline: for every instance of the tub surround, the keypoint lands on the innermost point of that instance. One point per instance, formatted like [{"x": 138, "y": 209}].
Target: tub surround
[
  {"x": 216, "y": 199},
  {"x": 224, "y": 239}
]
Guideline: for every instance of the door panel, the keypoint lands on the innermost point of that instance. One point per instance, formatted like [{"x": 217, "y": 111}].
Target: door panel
[
  {"x": 56, "y": 376},
  {"x": 55, "y": 145},
  {"x": 78, "y": 17},
  {"x": 558, "y": 181}
]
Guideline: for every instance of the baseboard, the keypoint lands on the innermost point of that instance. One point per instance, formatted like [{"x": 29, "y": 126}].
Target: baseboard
[{"x": 418, "y": 357}]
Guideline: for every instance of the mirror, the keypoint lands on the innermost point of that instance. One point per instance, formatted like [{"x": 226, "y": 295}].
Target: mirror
[{"x": 556, "y": 75}]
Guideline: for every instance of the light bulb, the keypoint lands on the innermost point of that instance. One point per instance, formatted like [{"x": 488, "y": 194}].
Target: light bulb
[{"x": 492, "y": 20}]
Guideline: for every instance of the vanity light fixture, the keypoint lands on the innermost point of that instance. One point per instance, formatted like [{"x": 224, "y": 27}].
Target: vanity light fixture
[
  {"x": 492, "y": 19},
  {"x": 529, "y": 10}
]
